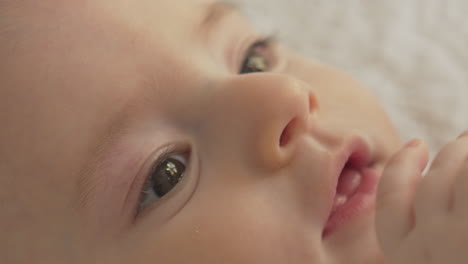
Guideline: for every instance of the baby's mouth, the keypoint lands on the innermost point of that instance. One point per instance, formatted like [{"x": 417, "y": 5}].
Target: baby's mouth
[
  {"x": 355, "y": 181},
  {"x": 348, "y": 183},
  {"x": 355, "y": 194}
]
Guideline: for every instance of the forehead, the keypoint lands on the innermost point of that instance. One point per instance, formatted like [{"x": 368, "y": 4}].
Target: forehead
[
  {"x": 62, "y": 31},
  {"x": 164, "y": 18}
]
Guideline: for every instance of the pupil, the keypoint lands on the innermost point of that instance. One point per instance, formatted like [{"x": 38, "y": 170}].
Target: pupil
[
  {"x": 167, "y": 175},
  {"x": 171, "y": 169},
  {"x": 255, "y": 63}
]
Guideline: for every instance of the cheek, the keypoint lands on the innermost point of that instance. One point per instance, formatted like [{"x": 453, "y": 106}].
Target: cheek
[
  {"x": 241, "y": 227},
  {"x": 346, "y": 104},
  {"x": 336, "y": 91}
]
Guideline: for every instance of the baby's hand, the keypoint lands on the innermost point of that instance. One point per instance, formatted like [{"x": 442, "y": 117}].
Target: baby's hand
[{"x": 425, "y": 220}]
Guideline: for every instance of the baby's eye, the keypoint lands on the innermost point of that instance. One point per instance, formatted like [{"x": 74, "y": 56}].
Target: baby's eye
[
  {"x": 255, "y": 61},
  {"x": 168, "y": 172}
]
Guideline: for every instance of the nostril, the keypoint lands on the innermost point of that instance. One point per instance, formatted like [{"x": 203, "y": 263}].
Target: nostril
[
  {"x": 299, "y": 124},
  {"x": 288, "y": 132}
]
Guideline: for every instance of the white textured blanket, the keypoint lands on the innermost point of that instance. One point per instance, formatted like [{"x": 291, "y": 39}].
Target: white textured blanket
[{"x": 412, "y": 53}]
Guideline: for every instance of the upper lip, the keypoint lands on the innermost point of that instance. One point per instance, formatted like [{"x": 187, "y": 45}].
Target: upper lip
[{"x": 355, "y": 152}]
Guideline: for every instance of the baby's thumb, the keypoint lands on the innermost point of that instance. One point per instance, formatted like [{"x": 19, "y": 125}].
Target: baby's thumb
[{"x": 395, "y": 194}]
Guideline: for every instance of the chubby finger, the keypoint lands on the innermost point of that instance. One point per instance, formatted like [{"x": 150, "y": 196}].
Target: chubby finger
[
  {"x": 460, "y": 200},
  {"x": 436, "y": 191},
  {"x": 395, "y": 194}
]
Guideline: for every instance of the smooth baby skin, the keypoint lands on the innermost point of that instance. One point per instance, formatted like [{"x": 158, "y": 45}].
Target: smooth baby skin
[{"x": 97, "y": 96}]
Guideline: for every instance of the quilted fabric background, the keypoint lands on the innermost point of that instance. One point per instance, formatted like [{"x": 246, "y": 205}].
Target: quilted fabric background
[{"x": 413, "y": 54}]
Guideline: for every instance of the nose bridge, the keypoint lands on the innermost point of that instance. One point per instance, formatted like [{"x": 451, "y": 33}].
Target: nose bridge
[{"x": 262, "y": 116}]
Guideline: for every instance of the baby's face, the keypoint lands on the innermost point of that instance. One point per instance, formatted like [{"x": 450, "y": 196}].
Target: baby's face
[{"x": 166, "y": 132}]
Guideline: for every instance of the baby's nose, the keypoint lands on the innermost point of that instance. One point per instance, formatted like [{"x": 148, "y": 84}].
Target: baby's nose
[{"x": 264, "y": 116}]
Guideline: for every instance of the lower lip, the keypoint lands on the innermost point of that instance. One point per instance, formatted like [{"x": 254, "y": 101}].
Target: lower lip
[{"x": 361, "y": 202}]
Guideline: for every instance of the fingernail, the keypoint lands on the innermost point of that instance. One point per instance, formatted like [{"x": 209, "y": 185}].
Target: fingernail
[{"x": 413, "y": 143}]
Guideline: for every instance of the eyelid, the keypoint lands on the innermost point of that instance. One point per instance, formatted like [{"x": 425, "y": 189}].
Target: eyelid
[
  {"x": 264, "y": 42},
  {"x": 145, "y": 174}
]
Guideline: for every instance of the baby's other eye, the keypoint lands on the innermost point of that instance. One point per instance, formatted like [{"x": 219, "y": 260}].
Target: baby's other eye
[
  {"x": 255, "y": 60},
  {"x": 168, "y": 172},
  {"x": 254, "y": 63}
]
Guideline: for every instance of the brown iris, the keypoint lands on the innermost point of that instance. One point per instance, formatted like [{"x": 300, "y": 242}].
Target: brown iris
[
  {"x": 167, "y": 175},
  {"x": 254, "y": 63}
]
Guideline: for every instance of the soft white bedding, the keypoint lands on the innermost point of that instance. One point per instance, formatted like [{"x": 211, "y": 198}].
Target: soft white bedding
[{"x": 412, "y": 53}]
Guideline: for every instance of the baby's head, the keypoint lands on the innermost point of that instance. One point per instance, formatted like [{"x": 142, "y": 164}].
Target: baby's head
[{"x": 171, "y": 132}]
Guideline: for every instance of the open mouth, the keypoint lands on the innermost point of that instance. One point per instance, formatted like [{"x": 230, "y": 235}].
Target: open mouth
[
  {"x": 355, "y": 192},
  {"x": 348, "y": 183}
]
